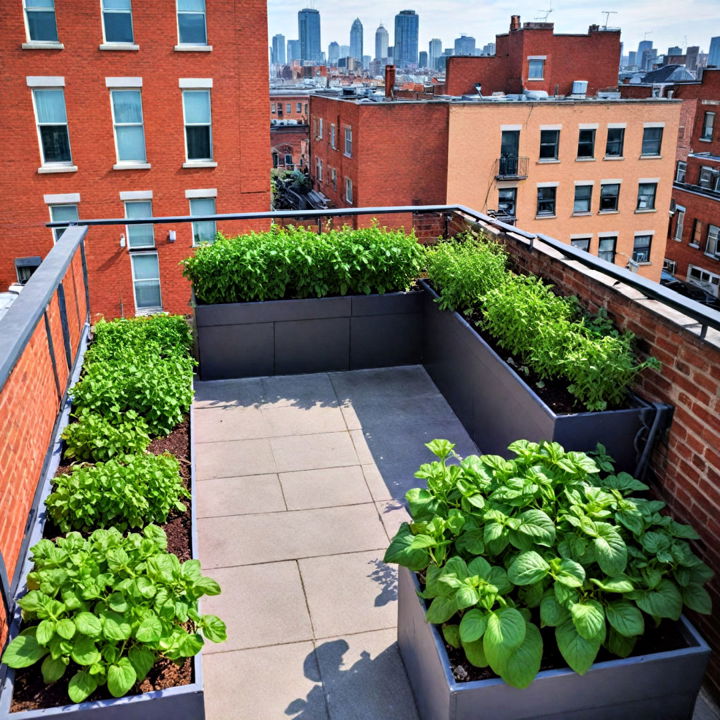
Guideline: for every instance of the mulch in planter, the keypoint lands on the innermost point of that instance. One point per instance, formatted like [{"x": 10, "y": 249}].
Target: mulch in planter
[{"x": 30, "y": 691}]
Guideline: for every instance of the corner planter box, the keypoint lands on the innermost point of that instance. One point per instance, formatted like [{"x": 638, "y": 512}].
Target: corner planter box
[
  {"x": 185, "y": 702},
  {"x": 661, "y": 686},
  {"x": 497, "y": 406},
  {"x": 283, "y": 337}
]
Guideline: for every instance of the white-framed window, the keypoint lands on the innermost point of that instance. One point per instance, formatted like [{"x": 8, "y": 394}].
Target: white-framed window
[
  {"x": 680, "y": 171},
  {"x": 298, "y": 108},
  {"x": 192, "y": 23},
  {"x": 606, "y": 247},
  {"x": 348, "y": 141},
  {"x": 146, "y": 282},
  {"x": 712, "y": 246},
  {"x": 586, "y": 143},
  {"x": 333, "y": 136},
  {"x": 708, "y": 126},
  {"x": 272, "y": 108},
  {"x": 128, "y": 124},
  {"x": 641, "y": 248},
  {"x": 63, "y": 213},
  {"x": 583, "y": 199},
  {"x": 549, "y": 144},
  {"x": 708, "y": 281},
  {"x": 139, "y": 236},
  {"x": 646, "y": 196},
  {"x": 52, "y": 126},
  {"x": 652, "y": 141},
  {"x": 709, "y": 178},
  {"x": 197, "y": 116},
  {"x": 319, "y": 170},
  {"x": 40, "y": 20},
  {"x": 507, "y": 201},
  {"x": 319, "y": 128},
  {"x": 536, "y": 68},
  {"x": 288, "y": 108},
  {"x": 669, "y": 266},
  {"x": 546, "y": 201},
  {"x": 117, "y": 21},
  {"x": 333, "y": 178},
  {"x": 289, "y": 161},
  {"x": 348, "y": 190},
  {"x": 609, "y": 197},
  {"x": 679, "y": 223},
  {"x": 204, "y": 231},
  {"x": 25, "y": 267},
  {"x": 581, "y": 243}
]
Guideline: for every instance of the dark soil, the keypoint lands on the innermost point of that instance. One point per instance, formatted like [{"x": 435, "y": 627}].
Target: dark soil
[{"x": 30, "y": 692}]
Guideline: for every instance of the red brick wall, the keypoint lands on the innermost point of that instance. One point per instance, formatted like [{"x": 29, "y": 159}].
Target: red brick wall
[
  {"x": 294, "y": 140},
  {"x": 237, "y": 31},
  {"x": 281, "y": 113}
]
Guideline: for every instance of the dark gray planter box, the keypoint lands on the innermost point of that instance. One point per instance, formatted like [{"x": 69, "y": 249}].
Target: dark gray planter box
[
  {"x": 282, "y": 337},
  {"x": 661, "y": 686},
  {"x": 185, "y": 702},
  {"x": 497, "y": 406}
]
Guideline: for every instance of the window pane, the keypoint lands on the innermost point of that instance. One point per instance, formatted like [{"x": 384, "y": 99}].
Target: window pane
[
  {"x": 198, "y": 142},
  {"x": 609, "y": 197},
  {"x": 202, "y": 206},
  {"x": 549, "y": 140},
  {"x": 147, "y": 294},
  {"x": 615, "y": 142},
  {"x": 130, "y": 143},
  {"x": 139, "y": 235},
  {"x": 191, "y": 5},
  {"x": 42, "y": 26},
  {"x": 145, "y": 267},
  {"x": 652, "y": 138},
  {"x": 55, "y": 143},
  {"x": 583, "y": 195},
  {"x": 116, "y": 4},
  {"x": 586, "y": 143},
  {"x": 606, "y": 248},
  {"x": 192, "y": 29},
  {"x": 203, "y": 231},
  {"x": 127, "y": 106},
  {"x": 118, "y": 27},
  {"x": 581, "y": 243},
  {"x": 50, "y": 106},
  {"x": 197, "y": 106},
  {"x": 535, "y": 69},
  {"x": 641, "y": 248},
  {"x": 64, "y": 213}
]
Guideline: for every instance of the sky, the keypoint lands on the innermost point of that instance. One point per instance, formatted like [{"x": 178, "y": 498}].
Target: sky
[{"x": 666, "y": 22}]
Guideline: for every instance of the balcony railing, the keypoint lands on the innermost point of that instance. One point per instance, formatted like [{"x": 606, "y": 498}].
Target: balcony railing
[
  {"x": 698, "y": 189},
  {"x": 511, "y": 167}
]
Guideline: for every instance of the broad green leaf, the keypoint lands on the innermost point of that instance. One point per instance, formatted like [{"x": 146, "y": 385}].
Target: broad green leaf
[
  {"x": 579, "y": 653},
  {"x": 420, "y": 502},
  {"x": 523, "y": 663},
  {"x": 121, "y": 677},
  {"x": 52, "y": 669},
  {"x": 697, "y": 598},
  {"x": 142, "y": 659},
  {"x": 665, "y": 601},
  {"x": 465, "y": 597},
  {"x": 537, "y": 525},
  {"x": 45, "y": 631},
  {"x": 214, "y": 629},
  {"x": 115, "y": 627},
  {"x": 472, "y": 625},
  {"x": 82, "y": 684},
  {"x": 65, "y": 628},
  {"x": 475, "y": 653},
  {"x": 570, "y": 573},
  {"x": 552, "y": 613},
  {"x": 457, "y": 566},
  {"x": 84, "y": 651},
  {"x": 610, "y": 550},
  {"x": 117, "y": 602},
  {"x": 505, "y": 627},
  {"x": 207, "y": 586},
  {"x": 440, "y": 448},
  {"x": 498, "y": 577},
  {"x": 23, "y": 651},
  {"x": 614, "y": 585},
  {"x": 422, "y": 541},
  {"x": 88, "y": 624},
  {"x": 618, "y": 644},
  {"x": 625, "y": 618},
  {"x": 191, "y": 645},
  {"x": 527, "y": 568},
  {"x": 441, "y": 610},
  {"x": 479, "y": 566},
  {"x": 588, "y": 617},
  {"x": 471, "y": 541},
  {"x": 150, "y": 629},
  {"x": 451, "y": 634},
  {"x": 401, "y": 552}
]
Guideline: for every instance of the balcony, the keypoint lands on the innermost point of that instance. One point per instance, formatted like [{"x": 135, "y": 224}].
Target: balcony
[
  {"x": 511, "y": 168},
  {"x": 301, "y": 479}
]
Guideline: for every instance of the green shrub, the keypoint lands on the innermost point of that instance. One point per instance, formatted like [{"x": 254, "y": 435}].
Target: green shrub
[
  {"x": 105, "y": 608},
  {"x": 94, "y": 438},
  {"x": 464, "y": 272},
  {"x": 506, "y": 547},
  {"x": 295, "y": 262},
  {"x": 126, "y": 492}
]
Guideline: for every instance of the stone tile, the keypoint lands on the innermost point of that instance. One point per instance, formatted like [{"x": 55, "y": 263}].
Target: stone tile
[
  {"x": 239, "y": 496},
  {"x": 350, "y": 593},
  {"x": 393, "y": 514},
  {"x": 364, "y": 677},
  {"x": 352, "y": 421},
  {"x": 261, "y": 604},
  {"x": 313, "y": 451},
  {"x": 268, "y": 683},
  {"x": 243, "y": 392},
  {"x": 361, "y": 447},
  {"x": 233, "y": 459},
  {"x": 324, "y": 488},
  {"x": 230, "y": 423},
  {"x": 383, "y": 383},
  {"x": 378, "y": 489},
  {"x": 246, "y": 539},
  {"x": 294, "y": 420},
  {"x": 705, "y": 708},
  {"x": 303, "y": 391}
]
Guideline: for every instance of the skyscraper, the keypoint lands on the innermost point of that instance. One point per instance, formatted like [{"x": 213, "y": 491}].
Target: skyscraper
[
  {"x": 356, "y": 39},
  {"x": 293, "y": 50},
  {"x": 278, "y": 49},
  {"x": 644, "y": 54},
  {"x": 435, "y": 51},
  {"x": 333, "y": 53},
  {"x": 382, "y": 40},
  {"x": 406, "y": 38},
  {"x": 309, "y": 32},
  {"x": 714, "y": 54},
  {"x": 423, "y": 59},
  {"x": 465, "y": 45}
]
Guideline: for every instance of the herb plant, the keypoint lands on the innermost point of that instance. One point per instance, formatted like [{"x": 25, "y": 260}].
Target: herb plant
[
  {"x": 124, "y": 492},
  {"x": 93, "y": 437},
  {"x": 104, "y": 609},
  {"x": 544, "y": 540}
]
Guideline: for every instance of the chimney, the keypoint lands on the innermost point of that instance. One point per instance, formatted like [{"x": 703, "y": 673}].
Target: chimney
[
  {"x": 514, "y": 23},
  {"x": 389, "y": 81}
]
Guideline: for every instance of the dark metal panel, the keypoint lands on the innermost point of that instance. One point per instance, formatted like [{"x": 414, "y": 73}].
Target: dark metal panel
[
  {"x": 64, "y": 324},
  {"x": 303, "y": 346},
  {"x": 385, "y": 340},
  {"x": 235, "y": 351}
]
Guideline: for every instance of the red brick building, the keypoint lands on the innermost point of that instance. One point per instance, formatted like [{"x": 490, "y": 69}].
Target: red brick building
[
  {"x": 126, "y": 112},
  {"x": 532, "y": 57}
]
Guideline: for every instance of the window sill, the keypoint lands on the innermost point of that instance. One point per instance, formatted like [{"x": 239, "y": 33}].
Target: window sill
[
  {"x": 144, "y": 312},
  {"x": 200, "y": 164},
  {"x": 132, "y": 166},
  {"x": 705, "y": 139},
  {"x": 41, "y": 45},
  {"x": 651, "y": 157},
  {"x": 535, "y": 79},
  {"x": 193, "y": 48},
  {"x": 641, "y": 211},
  {"x": 613, "y": 157},
  {"x": 47, "y": 169},
  {"x": 608, "y": 212},
  {"x": 547, "y": 161},
  {"x": 581, "y": 214},
  {"x": 695, "y": 246},
  {"x": 545, "y": 217},
  {"x": 119, "y": 46},
  {"x": 347, "y": 156},
  {"x": 584, "y": 159},
  {"x": 645, "y": 263}
]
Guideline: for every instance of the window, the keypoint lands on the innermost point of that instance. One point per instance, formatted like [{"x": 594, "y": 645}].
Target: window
[
  {"x": 139, "y": 236},
  {"x": 272, "y": 108},
  {"x": 198, "y": 124},
  {"x": 708, "y": 281},
  {"x": 52, "y": 126},
  {"x": 348, "y": 190},
  {"x": 583, "y": 199},
  {"x": 679, "y": 223},
  {"x": 609, "y": 196},
  {"x": 288, "y": 108},
  {"x": 669, "y": 266},
  {"x": 333, "y": 178},
  {"x": 696, "y": 236},
  {"x": 712, "y": 247},
  {"x": 117, "y": 21},
  {"x": 204, "y": 231},
  {"x": 289, "y": 161},
  {"x": 298, "y": 108},
  {"x": 306, "y": 108},
  {"x": 709, "y": 178},
  {"x": 319, "y": 168},
  {"x": 320, "y": 129},
  {"x": 708, "y": 125},
  {"x": 549, "y": 144},
  {"x": 507, "y": 199},
  {"x": 62, "y": 213},
  {"x": 25, "y": 267},
  {"x": 581, "y": 243},
  {"x": 652, "y": 140},
  {"x": 546, "y": 200},
  {"x": 646, "y": 196},
  {"x": 128, "y": 123},
  {"x": 680, "y": 171},
  {"x": 191, "y": 22},
  {"x": 146, "y": 281},
  {"x": 615, "y": 142},
  {"x": 348, "y": 141},
  {"x": 641, "y": 248},
  {"x": 333, "y": 138},
  {"x": 586, "y": 144},
  {"x": 536, "y": 69},
  {"x": 606, "y": 248},
  {"x": 41, "y": 23}
]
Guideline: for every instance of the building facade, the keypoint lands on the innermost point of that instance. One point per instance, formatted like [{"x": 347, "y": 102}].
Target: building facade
[
  {"x": 309, "y": 35},
  {"x": 382, "y": 41},
  {"x": 407, "y": 24},
  {"x": 278, "y": 49},
  {"x": 465, "y": 45},
  {"x": 356, "y": 40},
  {"x": 134, "y": 116}
]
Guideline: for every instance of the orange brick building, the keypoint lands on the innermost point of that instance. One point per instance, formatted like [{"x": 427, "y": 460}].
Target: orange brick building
[{"x": 123, "y": 113}]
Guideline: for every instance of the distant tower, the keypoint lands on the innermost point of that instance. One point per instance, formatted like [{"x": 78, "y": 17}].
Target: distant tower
[
  {"x": 356, "y": 40},
  {"x": 333, "y": 53},
  {"x": 435, "y": 51},
  {"x": 382, "y": 40},
  {"x": 278, "y": 49},
  {"x": 714, "y": 54},
  {"x": 406, "y": 38},
  {"x": 309, "y": 32},
  {"x": 465, "y": 45},
  {"x": 293, "y": 50},
  {"x": 422, "y": 59}
]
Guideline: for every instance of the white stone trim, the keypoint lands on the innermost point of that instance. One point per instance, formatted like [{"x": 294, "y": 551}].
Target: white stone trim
[
  {"x": 654, "y": 125},
  {"x": 193, "y": 48},
  {"x": 611, "y": 181},
  {"x": 119, "y": 46},
  {"x": 616, "y": 125},
  {"x": 643, "y": 232},
  {"x": 510, "y": 127},
  {"x": 558, "y": 126},
  {"x": 201, "y": 193},
  {"x": 537, "y": 57},
  {"x": 44, "y": 81},
  {"x": 581, "y": 236},
  {"x": 136, "y": 195},
  {"x": 588, "y": 126},
  {"x": 190, "y": 83},
  {"x": 62, "y": 199},
  {"x": 648, "y": 180},
  {"x": 547, "y": 184},
  {"x": 584, "y": 182},
  {"x": 123, "y": 82},
  {"x": 609, "y": 233}
]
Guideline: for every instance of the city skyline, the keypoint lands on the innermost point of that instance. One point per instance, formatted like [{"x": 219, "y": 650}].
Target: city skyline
[{"x": 451, "y": 18}]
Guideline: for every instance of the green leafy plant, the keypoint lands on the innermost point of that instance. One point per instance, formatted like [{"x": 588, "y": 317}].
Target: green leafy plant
[
  {"x": 105, "y": 608},
  {"x": 124, "y": 492},
  {"x": 544, "y": 540},
  {"x": 295, "y": 262},
  {"x": 94, "y": 438}
]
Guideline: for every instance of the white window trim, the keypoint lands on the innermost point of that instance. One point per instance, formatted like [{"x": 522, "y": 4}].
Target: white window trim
[
  {"x": 195, "y": 83},
  {"x": 589, "y": 126},
  {"x": 510, "y": 128},
  {"x": 537, "y": 57},
  {"x": 649, "y": 180},
  {"x": 112, "y": 44},
  {"x": 151, "y": 310},
  {"x": 124, "y": 83},
  {"x": 345, "y": 144},
  {"x": 582, "y": 236},
  {"x": 653, "y": 125},
  {"x": 128, "y": 164},
  {"x": 40, "y": 44},
  {"x": 45, "y": 81},
  {"x": 51, "y": 167},
  {"x": 50, "y": 207},
  {"x": 201, "y": 193},
  {"x": 679, "y": 211},
  {"x": 349, "y": 185},
  {"x": 584, "y": 182},
  {"x": 119, "y": 46},
  {"x": 617, "y": 126},
  {"x": 551, "y": 127},
  {"x": 643, "y": 232},
  {"x": 136, "y": 195},
  {"x": 547, "y": 184},
  {"x": 62, "y": 199},
  {"x": 198, "y": 162},
  {"x": 612, "y": 181},
  {"x": 181, "y": 46},
  {"x": 192, "y": 224},
  {"x": 608, "y": 234}
]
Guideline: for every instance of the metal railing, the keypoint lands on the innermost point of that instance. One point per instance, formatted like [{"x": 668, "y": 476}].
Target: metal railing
[{"x": 510, "y": 167}]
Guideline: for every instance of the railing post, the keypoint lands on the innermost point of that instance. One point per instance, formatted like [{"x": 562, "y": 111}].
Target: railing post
[
  {"x": 85, "y": 279},
  {"x": 51, "y": 352},
  {"x": 64, "y": 324},
  {"x": 5, "y": 589}
]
